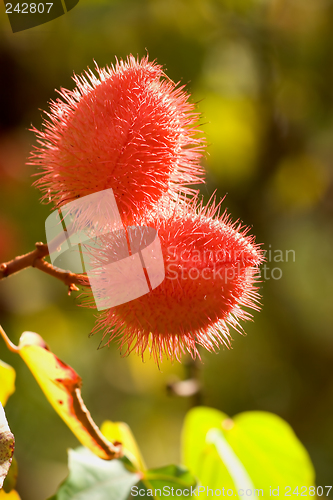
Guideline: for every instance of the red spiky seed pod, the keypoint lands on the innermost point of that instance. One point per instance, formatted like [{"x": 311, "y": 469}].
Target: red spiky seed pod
[
  {"x": 129, "y": 128},
  {"x": 210, "y": 272}
]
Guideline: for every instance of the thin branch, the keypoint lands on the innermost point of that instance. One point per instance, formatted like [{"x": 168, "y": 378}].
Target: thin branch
[
  {"x": 23, "y": 261},
  {"x": 36, "y": 259},
  {"x": 9, "y": 344},
  {"x": 68, "y": 278},
  {"x": 191, "y": 386}
]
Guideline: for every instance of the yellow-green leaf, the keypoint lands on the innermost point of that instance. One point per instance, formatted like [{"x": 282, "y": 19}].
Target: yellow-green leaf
[
  {"x": 7, "y": 382},
  {"x": 255, "y": 451},
  {"x": 13, "y": 495},
  {"x": 61, "y": 386},
  {"x": 119, "y": 431}
]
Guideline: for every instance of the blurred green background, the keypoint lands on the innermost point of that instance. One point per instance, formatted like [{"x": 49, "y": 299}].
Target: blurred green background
[{"x": 262, "y": 74}]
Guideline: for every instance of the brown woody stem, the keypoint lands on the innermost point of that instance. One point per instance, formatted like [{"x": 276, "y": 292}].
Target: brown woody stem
[
  {"x": 23, "y": 261},
  {"x": 68, "y": 278},
  {"x": 36, "y": 259}
]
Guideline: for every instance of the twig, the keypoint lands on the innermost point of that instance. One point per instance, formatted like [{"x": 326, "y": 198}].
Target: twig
[
  {"x": 36, "y": 259},
  {"x": 191, "y": 386},
  {"x": 9, "y": 344},
  {"x": 23, "y": 261},
  {"x": 68, "y": 278}
]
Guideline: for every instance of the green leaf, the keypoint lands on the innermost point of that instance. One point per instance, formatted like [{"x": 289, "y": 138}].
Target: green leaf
[
  {"x": 6, "y": 446},
  {"x": 172, "y": 480},
  {"x": 91, "y": 477},
  {"x": 200, "y": 456},
  {"x": 239, "y": 476},
  {"x": 270, "y": 451},
  {"x": 253, "y": 450}
]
